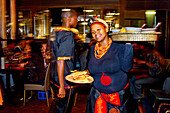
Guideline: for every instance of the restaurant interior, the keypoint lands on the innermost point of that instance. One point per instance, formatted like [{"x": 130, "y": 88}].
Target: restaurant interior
[{"x": 139, "y": 22}]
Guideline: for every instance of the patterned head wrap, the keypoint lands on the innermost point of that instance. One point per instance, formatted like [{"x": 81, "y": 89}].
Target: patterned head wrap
[{"x": 93, "y": 21}]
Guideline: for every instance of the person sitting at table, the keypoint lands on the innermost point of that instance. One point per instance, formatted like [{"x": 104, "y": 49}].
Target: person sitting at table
[
  {"x": 27, "y": 48},
  {"x": 35, "y": 70},
  {"x": 4, "y": 81},
  {"x": 44, "y": 53},
  {"x": 10, "y": 49},
  {"x": 1, "y": 49},
  {"x": 153, "y": 61},
  {"x": 1, "y": 55}
]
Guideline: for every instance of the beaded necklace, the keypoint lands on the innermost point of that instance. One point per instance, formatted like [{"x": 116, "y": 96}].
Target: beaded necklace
[{"x": 100, "y": 51}]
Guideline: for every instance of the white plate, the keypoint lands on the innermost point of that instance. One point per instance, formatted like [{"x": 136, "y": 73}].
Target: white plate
[{"x": 88, "y": 79}]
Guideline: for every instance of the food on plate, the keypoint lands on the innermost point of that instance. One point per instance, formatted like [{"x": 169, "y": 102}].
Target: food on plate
[
  {"x": 79, "y": 73},
  {"x": 80, "y": 77}
]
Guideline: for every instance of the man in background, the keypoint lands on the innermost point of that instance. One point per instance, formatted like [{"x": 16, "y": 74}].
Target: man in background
[{"x": 63, "y": 55}]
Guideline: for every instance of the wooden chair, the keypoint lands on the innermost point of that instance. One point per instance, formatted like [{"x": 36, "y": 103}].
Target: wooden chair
[{"x": 38, "y": 87}]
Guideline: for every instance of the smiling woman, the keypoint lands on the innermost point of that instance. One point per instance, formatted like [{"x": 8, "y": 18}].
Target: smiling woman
[{"x": 108, "y": 63}]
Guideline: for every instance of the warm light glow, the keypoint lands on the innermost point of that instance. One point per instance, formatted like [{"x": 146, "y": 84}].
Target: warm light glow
[
  {"x": 112, "y": 13},
  {"x": 46, "y": 11},
  {"x": 108, "y": 20},
  {"x": 116, "y": 25},
  {"x": 65, "y": 9},
  {"x": 88, "y": 10},
  {"x": 84, "y": 23},
  {"x": 150, "y": 12},
  {"x": 108, "y": 16}
]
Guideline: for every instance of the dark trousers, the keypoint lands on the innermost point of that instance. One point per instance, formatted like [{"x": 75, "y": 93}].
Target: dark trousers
[
  {"x": 136, "y": 85},
  {"x": 62, "y": 105}
]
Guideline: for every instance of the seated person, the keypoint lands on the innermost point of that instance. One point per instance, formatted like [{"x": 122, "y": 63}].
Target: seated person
[
  {"x": 153, "y": 60},
  {"x": 35, "y": 70},
  {"x": 4, "y": 80},
  {"x": 10, "y": 53},
  {"x": 12, "y": 50},
  {"x": 44, "y": 53}
]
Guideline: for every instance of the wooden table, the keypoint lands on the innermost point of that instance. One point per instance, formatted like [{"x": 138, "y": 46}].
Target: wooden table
[{"x": 10, "y": 70}]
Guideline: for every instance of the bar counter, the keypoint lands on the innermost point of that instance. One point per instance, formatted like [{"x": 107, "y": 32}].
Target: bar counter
[{"x": 135, "y": 36}]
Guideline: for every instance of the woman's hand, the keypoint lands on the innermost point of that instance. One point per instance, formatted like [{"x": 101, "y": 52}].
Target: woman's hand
[{"x": 61, "y": 93}]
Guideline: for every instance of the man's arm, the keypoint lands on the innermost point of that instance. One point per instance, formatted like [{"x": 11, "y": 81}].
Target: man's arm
[{"x": 60, "y": 71}]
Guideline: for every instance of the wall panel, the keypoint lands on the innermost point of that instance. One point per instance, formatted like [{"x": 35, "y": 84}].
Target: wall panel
[
  {"x": 148, "y": 4},
  {"x": 40, "y": 4}
]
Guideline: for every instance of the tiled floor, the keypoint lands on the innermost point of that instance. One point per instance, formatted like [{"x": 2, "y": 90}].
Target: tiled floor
[
  {"x": 34, "y": 105},
  {"x": 39, "y": 106}
]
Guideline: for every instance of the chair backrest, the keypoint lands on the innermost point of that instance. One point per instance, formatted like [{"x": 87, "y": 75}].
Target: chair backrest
[
  {"x": 47, "y": 78},
  {"x": 166, "y": 85}
]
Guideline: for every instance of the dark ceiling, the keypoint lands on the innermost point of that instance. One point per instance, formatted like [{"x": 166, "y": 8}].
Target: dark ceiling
[
  {"x": 129, "y": 4},
  {"x": 42, "y": 4}
]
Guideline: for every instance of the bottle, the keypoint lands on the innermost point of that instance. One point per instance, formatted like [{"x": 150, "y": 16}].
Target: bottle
[{"x": 2, "y": 63}]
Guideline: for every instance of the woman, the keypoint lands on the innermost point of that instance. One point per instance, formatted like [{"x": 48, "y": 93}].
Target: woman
[
  {"x": 108, "y": 64},
  {"x": 35, "y": 70}
]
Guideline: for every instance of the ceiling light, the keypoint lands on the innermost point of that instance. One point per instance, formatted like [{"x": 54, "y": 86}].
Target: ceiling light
[
  {"x": 46, "y": 11},
  {"x": 112, "y": 13},
  {"x": 88, "y": 10},
  {"x": 150, "y": 12},
  {"x": 108, "y": 16},
  {"x": 116, "y": 25},
  {"x": 65, "y": 9},
  {"x": 84, "y": 23}
]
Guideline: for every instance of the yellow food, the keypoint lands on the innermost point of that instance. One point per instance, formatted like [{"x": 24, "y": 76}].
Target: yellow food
[{"x": 79, "y": 77}]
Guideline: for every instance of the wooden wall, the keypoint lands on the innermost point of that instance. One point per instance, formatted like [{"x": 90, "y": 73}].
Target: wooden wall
[
  {"x": 148, "y": 4},
  {"x": 130, "y": 4},
  {"x": 42, "y": 4}
]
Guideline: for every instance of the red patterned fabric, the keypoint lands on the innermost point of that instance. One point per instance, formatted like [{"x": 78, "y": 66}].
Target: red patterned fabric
[
  {"x": 112, "y": 98},
  {"x": 105, "y": 79},
  {"x": 101, "y": 105}
]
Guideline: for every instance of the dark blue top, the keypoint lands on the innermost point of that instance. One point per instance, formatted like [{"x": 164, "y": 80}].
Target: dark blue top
[
  {"x": 109, "y": 72},
  {"x": 62, "y": 45}
]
